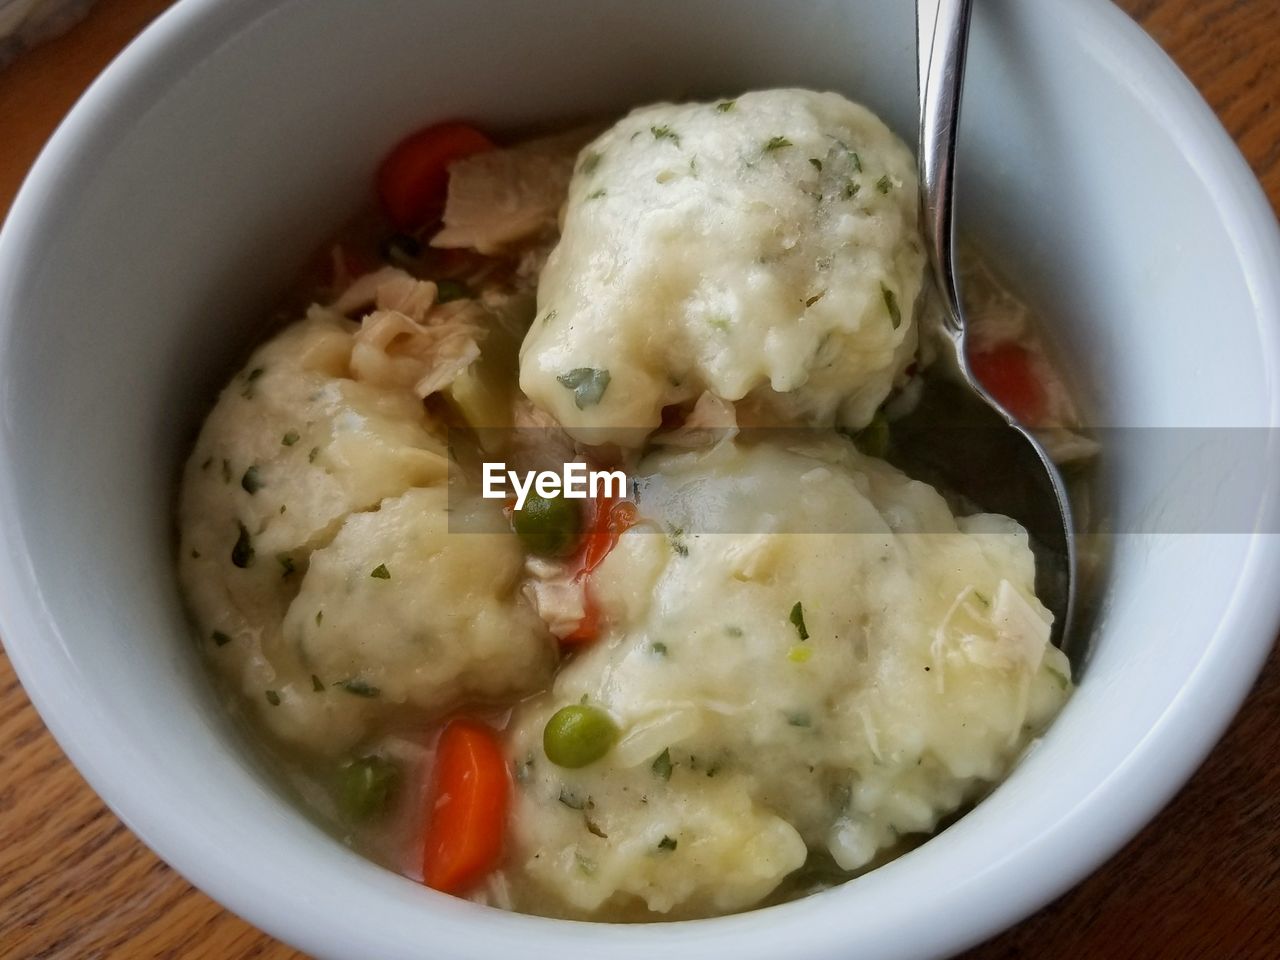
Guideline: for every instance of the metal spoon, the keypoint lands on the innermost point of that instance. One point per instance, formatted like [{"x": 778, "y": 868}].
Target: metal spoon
[{"x": 959, "y": 436}]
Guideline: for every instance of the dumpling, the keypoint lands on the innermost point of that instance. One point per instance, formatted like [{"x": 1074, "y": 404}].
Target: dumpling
[
  {"x": 763, "y": 249},
  {"x": 402, "y": 605},
  {"x": 805, "y": 629},
  {"x": 295, "y": 465}
]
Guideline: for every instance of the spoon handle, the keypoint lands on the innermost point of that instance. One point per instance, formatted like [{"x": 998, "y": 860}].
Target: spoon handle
[{"x": 942, "y": 36}]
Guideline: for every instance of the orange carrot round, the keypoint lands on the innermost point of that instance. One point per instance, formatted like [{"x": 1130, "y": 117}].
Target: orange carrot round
[
  {"x": 610, "y": 518},
  {"x": 414, "y": 177},
  {"x": 467, "y": 815}
]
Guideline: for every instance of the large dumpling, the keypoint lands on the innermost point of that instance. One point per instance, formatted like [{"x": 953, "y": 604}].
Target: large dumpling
[
  {"x": 301, "y": 471},
  {"x": 763, "y": 249},
  {"x": 808, "y": 631}
]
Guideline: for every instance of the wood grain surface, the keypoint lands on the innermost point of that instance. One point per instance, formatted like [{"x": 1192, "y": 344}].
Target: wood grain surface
[{"x": 1202, "y": 881}]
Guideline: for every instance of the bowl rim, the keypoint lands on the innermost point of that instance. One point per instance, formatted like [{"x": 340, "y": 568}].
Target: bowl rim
[{"x": 1077, "y": 843}]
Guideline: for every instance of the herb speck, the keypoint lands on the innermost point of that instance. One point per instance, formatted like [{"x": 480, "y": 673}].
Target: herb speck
[
  {"x": 661, "y": 765},
  {"x": 587, "y": 383},
  {"x": 797, "y": 620},
  {"x": 249, "y": 378},
  {"x": 891, "y": 304},
  {"x": 252, "y": 480},
  {"x": 665, "y": 133},
  {"x": 570, "y": 800},
  {"x": 358, "y": 687},
  {"x": 242, "y": 552},
  {"x": 678, "y": 545}
]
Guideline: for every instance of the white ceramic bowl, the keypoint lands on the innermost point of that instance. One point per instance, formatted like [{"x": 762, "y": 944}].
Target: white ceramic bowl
[{"x": 235, "y": 135}]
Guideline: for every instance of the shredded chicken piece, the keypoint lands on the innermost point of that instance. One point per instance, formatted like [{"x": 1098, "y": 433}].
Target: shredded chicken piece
[
  {"x": 938, "y": 648},
  {"x": 559, "y": 598},
  {"x": 393, "y": 350},
  {"x": 538, "y": 441},
  {"x": 1022, "y": 630},
  {"x": 406, "y": 294},
  {"x": 361, "y": 292},
  {"x": 408, "y": 339},
  {"x": 869, "y": 728},
  {"x": 1013, "y": 635},
  {"x": 499, "y": 198},
  {"x": 713, "y": 420}
]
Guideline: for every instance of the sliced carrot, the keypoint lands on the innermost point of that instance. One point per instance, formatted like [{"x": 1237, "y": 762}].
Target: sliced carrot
[
  {"x": 610, "y": 518},
  {"x": 414, "y": 177},
  {"x": 468, "y": 808},
  {"x": 1008, "y": 372}
]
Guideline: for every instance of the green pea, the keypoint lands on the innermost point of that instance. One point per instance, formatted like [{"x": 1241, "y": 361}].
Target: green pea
[
  {"x": 578, "y": 735},
  {"x": 366, "y": 787},
  {"x": 873, "y": 439},
  {"x": 548, "y": 526}
]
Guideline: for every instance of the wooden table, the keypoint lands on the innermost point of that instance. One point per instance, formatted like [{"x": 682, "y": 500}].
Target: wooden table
[{"x": 1203, "y": 881}]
